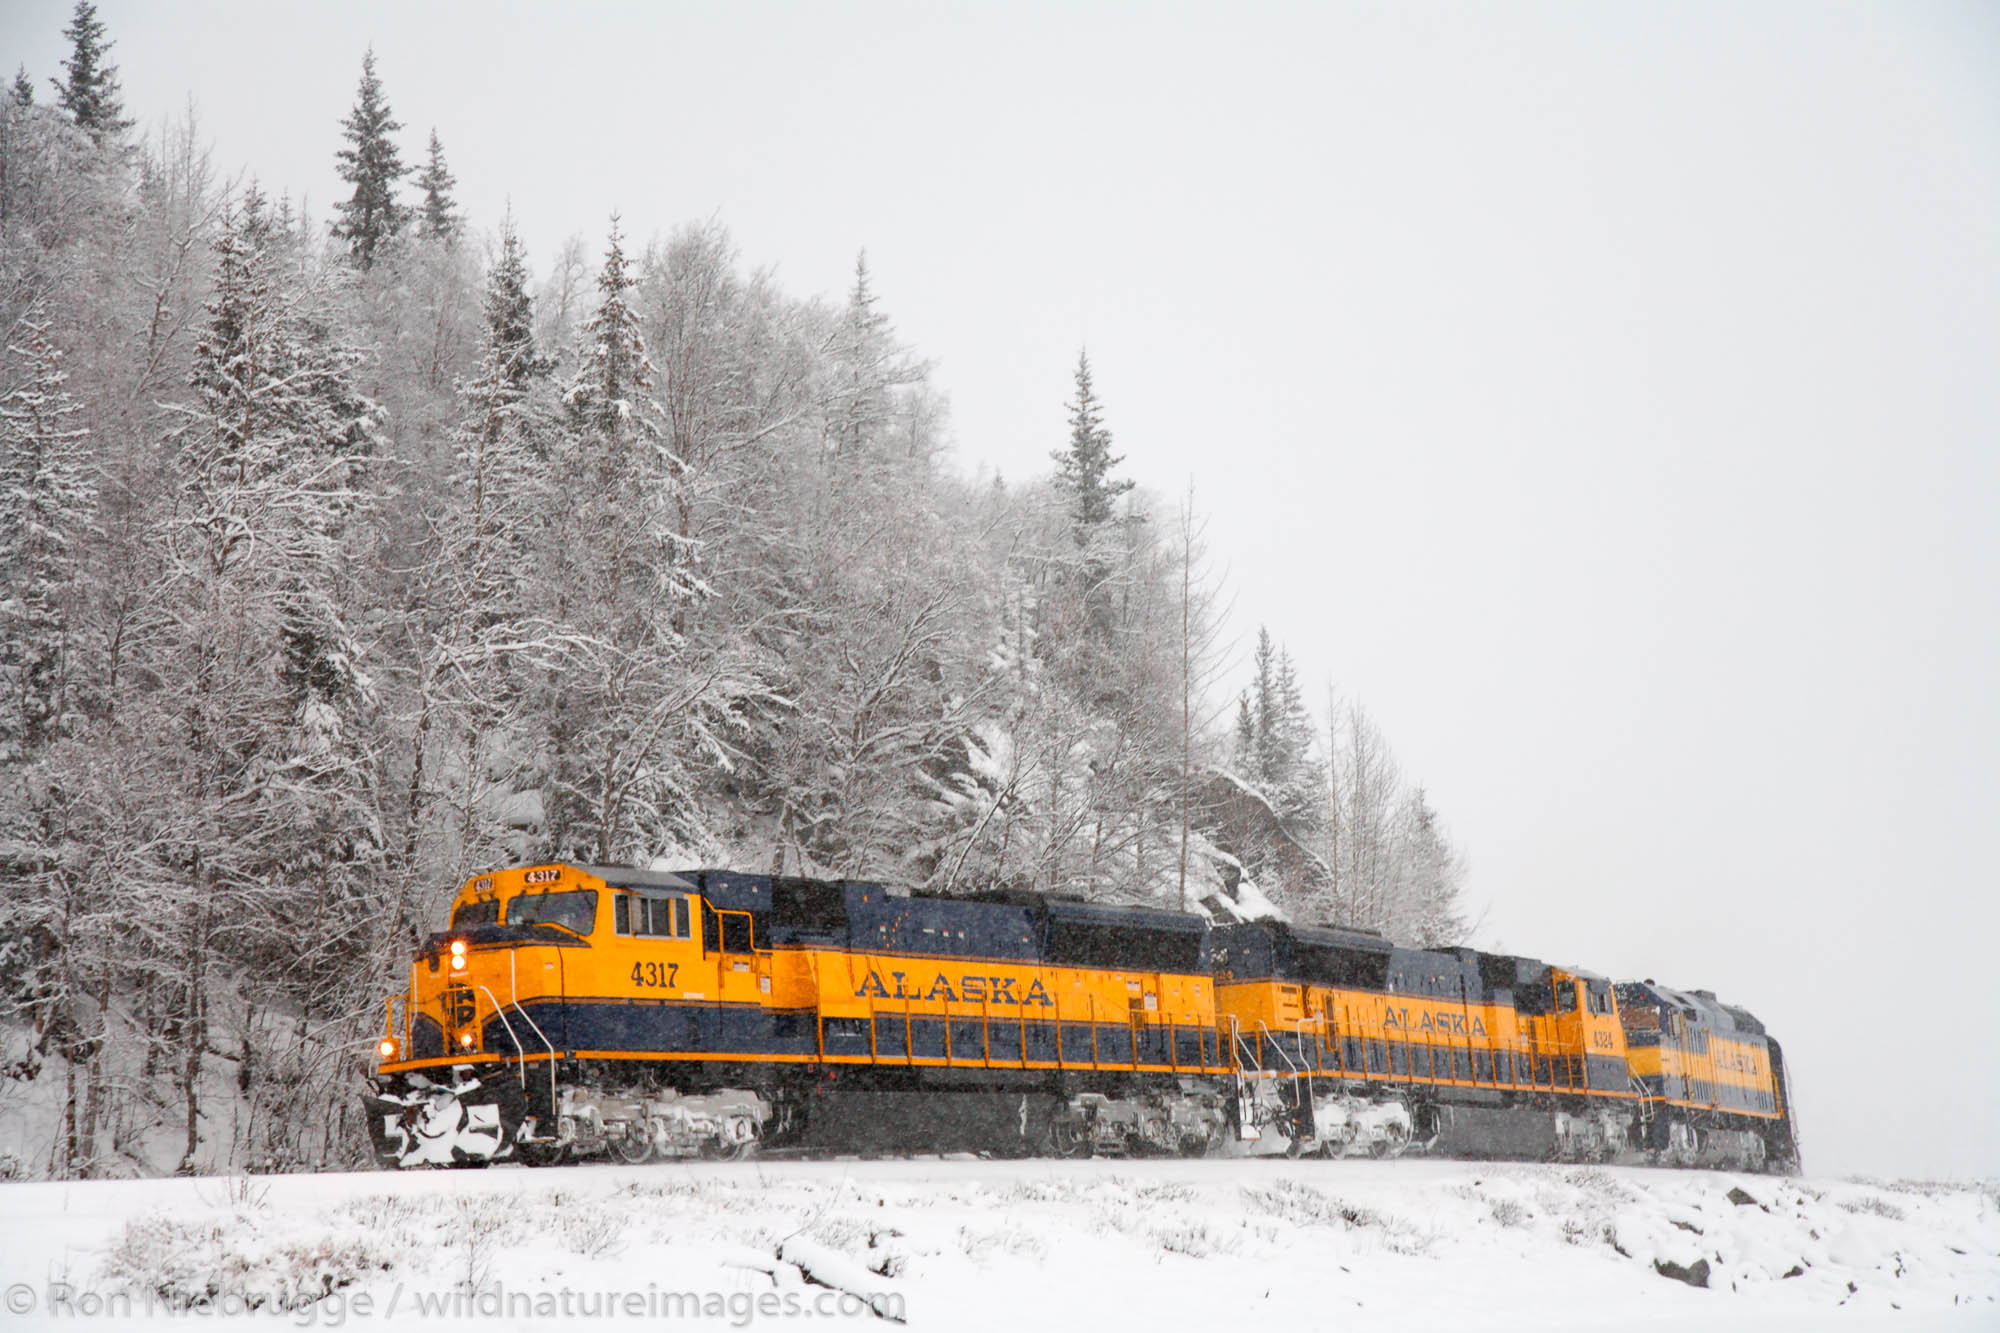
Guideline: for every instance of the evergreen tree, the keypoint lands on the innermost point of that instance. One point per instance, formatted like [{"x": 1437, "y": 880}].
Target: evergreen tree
[
  {"x": 867, "y": 366},
  {"x": 46, "y": 504},
  {"x": 226, "y": 362},
  {"x": 1263, "y": 695},
  {"x": 270, "y": 676},
  {"x": 24, "y": 88},
  {"x": 1281, "y": 739},
  {"x": 438, "y": 219},
  {"x": 90, "y": 93},
  {"x": 865, "y": 351},
  {"x": 510, "y": 314},
  {"x": 371, "y": 217},
  {"x": 1084, "y": 469},
  {"x": 609, "y": 397}
]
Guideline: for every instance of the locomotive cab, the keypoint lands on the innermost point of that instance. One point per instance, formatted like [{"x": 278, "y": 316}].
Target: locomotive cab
[{"x": 509, "y": 941}]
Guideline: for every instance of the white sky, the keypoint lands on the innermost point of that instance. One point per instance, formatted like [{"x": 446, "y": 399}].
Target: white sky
[{"x": 1604, "y": 394}]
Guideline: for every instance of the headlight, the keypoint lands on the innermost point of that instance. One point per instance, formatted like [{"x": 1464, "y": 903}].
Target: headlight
[
  {"x": 465, "y": 1039},
  {"x": 458, "y": 955},
  {"x": 388, "y": 1049}
]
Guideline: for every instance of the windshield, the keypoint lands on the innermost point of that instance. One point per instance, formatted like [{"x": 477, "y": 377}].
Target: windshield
[
  {"x": 576, "y": 909},
  {"x": 476, "y": 914}
]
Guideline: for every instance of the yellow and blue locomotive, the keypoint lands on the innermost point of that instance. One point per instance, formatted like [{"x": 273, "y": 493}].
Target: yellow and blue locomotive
[{"x": 572, "y": 1011}]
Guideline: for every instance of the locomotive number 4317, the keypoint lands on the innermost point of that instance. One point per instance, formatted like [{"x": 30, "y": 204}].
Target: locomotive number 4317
[{"x": 654, "y": 974}]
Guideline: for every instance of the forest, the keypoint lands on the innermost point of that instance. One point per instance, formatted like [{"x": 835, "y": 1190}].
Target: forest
[{"x": 340, "y": 559}]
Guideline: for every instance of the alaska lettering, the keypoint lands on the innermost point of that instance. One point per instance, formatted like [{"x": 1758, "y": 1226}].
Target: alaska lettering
[{"x": 969, "y": 989}]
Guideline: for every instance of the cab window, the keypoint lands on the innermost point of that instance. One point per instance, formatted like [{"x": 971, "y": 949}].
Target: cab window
[
  {"x": 575, "y": 910},
  {"x": 1565, "y": 996},
  {"x": 466, "y": 915},
  {"x": 660, "y": 918}
]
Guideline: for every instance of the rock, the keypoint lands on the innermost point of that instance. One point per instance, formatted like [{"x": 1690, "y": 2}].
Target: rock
[{"x": 1695, "y": 1274}]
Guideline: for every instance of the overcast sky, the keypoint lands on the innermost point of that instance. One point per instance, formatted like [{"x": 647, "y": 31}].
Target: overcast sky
[{"x": 1605, "y": 395}]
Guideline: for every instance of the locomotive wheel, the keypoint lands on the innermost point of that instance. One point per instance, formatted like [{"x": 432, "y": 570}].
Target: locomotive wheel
[{"x": 635, "y": 1144}]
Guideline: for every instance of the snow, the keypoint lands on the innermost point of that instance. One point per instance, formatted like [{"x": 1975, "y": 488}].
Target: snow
[{"x": 977, "y": 1244}]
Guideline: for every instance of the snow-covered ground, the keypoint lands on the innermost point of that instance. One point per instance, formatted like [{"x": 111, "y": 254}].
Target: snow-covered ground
[{"x": 975, "y": 1244}]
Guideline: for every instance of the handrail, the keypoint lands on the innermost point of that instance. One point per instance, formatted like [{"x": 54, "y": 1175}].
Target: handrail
[
  {"x": 1236, "y": 1039},
  {"x": 500, "y": 1012},
  {"x": 750, "y": 919},
  {"x": 1242, "y": 1080},
  {"x": 1276, "y": 1047},
  {"x": 514, "y": 998}
]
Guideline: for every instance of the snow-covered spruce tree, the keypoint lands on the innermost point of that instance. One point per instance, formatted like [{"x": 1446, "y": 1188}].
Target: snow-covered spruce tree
[
  {"x": 1084, "y": 468},
  {"x": 437, "y": 216},
  {"x": 370, "y": 217},
  {"x": 510, "y": 316},
  {"x": 23, "y": 89},
  {"x": 214, "y": 655},
  {"x": 1095, "y": 570},
  {"x": 862, "y": 355},
  {"x": 1274, "y": 754},
  {"x": 614, "y": 419},
  {"x": 89, "y": 88},
  {"x": 47, "y": 503},
  {"x": 1283, "y": 739},
  {"x": 869, "y": 385},
  {"x": 53, "y": 927},
  {"x": 280, "y": 842}
]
